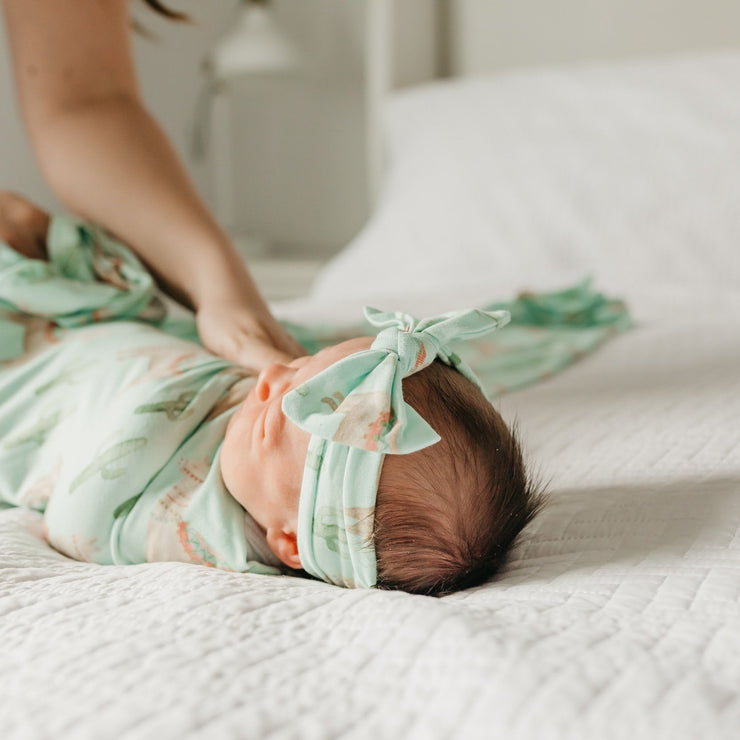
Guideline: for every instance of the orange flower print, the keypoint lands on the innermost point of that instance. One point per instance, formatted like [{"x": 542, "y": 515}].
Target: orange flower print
[
  {"x": 169, "y": 537},
  {"x": 75, "y": 546},
  {"x": 421, "y": 355},
  {"x": 37, "y": 495},
  {"x": 376, "y": 430}
]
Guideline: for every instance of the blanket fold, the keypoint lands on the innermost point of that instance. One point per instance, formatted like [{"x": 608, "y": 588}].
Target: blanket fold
[{"x": 548, "y": 331}]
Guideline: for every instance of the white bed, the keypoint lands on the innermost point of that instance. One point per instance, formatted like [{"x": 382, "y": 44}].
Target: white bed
[{"x": 619, "y": 615}]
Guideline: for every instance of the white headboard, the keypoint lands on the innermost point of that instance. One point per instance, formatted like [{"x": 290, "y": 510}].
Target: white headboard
[{"x": 485, "y": 35}]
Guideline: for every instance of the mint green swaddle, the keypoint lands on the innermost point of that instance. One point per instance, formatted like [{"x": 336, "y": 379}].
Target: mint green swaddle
[
  {"x": 112, "y": 416},
  {"x": 112, "y": 428}
]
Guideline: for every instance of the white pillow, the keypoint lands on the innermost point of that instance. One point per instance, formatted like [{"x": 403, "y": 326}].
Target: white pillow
[{"x": 629, "y": 172}]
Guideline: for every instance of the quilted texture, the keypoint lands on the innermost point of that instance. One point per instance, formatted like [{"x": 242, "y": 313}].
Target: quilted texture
[{"x": 618, "y": 616}]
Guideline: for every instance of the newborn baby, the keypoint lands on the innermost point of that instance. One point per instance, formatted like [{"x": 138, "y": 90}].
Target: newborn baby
[
  {"x": 440, "y": 517},
  {"x": 375, "y": 462}
]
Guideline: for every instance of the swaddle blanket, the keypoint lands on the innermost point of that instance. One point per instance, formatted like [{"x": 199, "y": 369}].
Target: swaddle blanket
[
  {"x": 113, "y": 429},
  {"x": 111, "y": 416}
]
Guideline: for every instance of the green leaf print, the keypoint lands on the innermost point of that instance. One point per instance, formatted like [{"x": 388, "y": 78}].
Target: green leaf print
[
  {"x": 38, "y": 432},
  {"x": 326, "y": 525},
  {"x": 68, "y": 374},
  {"x": 103, "y": 462},
  {"x": 173, "y": 408},
  {"x": 314, "y": 459},
  {"x": 331, "y": 524}
]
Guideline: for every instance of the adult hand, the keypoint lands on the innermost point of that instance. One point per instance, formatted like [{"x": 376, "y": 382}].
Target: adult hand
[
  {"x": 23, "y": 225},
  {"x": 253, "y": 341}
]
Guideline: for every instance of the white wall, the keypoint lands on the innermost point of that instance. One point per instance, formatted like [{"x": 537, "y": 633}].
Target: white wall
[
  {"x": 417, "y": 36},
  {"x": 493, "y": 34}
]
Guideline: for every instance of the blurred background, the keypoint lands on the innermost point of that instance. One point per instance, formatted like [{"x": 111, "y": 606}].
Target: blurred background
[
  {"x": 301, "y": 160},
  {"x": 291, "y": 158}
]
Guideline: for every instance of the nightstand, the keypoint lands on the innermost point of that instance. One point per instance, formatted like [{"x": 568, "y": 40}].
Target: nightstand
[
  {"x": 284, "y": 278},
  {"x": 284, "y": 274}
]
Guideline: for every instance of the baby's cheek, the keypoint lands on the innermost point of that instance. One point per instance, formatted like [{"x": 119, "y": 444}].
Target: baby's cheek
[
  {"x": 296, "y": 461},
  {"x": 235, "y": 461}
]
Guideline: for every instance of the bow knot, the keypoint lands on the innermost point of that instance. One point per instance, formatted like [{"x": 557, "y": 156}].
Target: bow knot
[
  {"x": 412, "y": 348},
  {"x": 359, "y": 402}
]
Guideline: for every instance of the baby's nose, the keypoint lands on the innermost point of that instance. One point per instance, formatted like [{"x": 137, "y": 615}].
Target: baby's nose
[{"x": 272, "y": 379}]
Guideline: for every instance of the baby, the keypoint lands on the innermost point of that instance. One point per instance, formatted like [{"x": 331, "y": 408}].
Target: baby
[{"x": 375, "y": 462}]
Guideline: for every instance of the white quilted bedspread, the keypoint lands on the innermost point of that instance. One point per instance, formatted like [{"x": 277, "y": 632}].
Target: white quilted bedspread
[{"x": 619, "y": 616}]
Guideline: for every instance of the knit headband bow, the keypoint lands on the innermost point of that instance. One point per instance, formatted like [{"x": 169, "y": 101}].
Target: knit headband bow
[{"x": 356, "y": 413}]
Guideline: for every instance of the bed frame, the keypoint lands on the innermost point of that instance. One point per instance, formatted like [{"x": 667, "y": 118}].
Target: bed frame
[{"x": 485, "y": 35}]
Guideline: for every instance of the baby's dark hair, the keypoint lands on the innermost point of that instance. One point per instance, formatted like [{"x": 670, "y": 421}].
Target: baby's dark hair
[{"x": 447, "y": 516}]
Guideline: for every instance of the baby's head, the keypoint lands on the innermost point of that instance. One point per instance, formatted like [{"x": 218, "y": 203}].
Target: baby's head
[
  {"x": 306, "y": 457},
  {"x": 447, "y": 516}
]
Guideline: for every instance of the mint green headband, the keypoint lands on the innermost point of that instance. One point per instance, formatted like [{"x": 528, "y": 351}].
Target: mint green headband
[{"x": 356, "y": 413}]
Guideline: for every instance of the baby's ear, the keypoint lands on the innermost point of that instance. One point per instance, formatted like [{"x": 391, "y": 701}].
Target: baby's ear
[{"x": 284, "y": 545}]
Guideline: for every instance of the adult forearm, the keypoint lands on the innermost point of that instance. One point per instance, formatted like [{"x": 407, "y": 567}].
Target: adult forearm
[{"x": 109, "y": 161}]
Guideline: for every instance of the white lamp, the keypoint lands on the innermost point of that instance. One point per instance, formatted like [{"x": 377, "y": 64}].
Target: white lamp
[
  {"x": 254, "y": 49},
  {"x": 254, "y": 46}
]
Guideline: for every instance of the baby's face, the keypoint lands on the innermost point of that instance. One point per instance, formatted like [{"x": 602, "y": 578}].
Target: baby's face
[{"x": 263, "y": 452}]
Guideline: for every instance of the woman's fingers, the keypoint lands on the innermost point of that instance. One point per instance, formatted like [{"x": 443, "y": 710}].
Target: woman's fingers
[
  {"x": 23, "y": 225},
  {"x": 285, "y": 342},
  {"x": 245, "y": 338}
]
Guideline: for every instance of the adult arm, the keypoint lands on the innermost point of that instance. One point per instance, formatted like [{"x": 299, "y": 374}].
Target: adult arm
[{"x": 109, "y": 161}]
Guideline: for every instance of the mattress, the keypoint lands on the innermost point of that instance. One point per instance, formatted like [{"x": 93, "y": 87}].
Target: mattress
[{"x": 617, "y": 616}]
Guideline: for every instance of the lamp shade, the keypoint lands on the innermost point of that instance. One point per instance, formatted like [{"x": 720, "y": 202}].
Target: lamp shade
[{"x": 254, "y": 46}]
